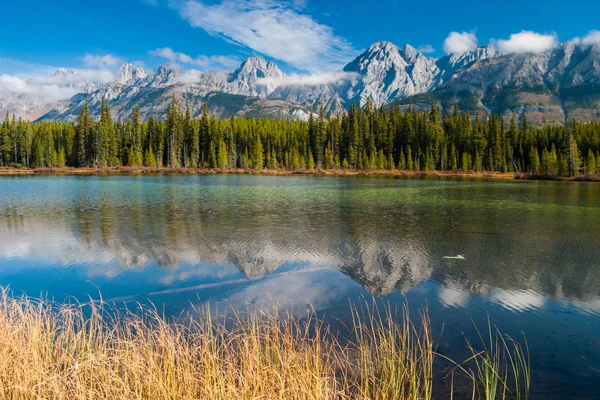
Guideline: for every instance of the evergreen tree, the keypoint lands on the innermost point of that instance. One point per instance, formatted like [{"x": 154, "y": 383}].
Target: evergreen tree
[
  {"x": 402, "y": 161},
  {"x": 409, "y": 159},
  {"x": 149, "y": 158},
  {"x": 173, "y": 134},
  {"x": 453, "y": 158},
  {"x": 535, "y": 160},
  {"x": 590, "y": 163},
  {"x": 311, "y": 161},
  {"x": 552, "y": 162},
  {"x": 328, "y": 164},
  {"x": 574, "y": 157},
  {"x": 464, "y": 162},
  {"x": 257, "y": 155},
  {"x": 223, "y": 155}
]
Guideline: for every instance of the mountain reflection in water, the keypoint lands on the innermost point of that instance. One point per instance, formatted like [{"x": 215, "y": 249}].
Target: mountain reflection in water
[
  {"x": 524, "y": 254},
  {"x": 522, "y": 242}
]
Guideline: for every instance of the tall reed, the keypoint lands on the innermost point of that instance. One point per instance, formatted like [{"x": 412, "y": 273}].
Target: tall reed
[{"x": 92, "y": 351}]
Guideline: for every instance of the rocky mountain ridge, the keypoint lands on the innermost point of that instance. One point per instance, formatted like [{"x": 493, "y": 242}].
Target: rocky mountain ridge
[{"x": 549, "y": 87}]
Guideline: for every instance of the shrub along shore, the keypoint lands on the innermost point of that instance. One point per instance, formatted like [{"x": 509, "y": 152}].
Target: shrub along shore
[
  {"x": 283, "y": 172},
  {"x": 93, "y": 351}
]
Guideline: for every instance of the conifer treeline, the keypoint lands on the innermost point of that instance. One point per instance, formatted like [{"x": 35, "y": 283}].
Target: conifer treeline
[{"x": 364, "y": 138}]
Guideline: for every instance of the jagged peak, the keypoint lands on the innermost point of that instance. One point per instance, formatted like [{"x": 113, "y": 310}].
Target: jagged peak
[
  {"x": 382, "y": 45},
  {"x": 130, "y": 72},
  {"x": 166, "y": 68},
  {"x": 257, "y": 63},
  {"x": 256, "y": 67},
  {"x": 379, "y": 53},
  {"x": 410, "y": 53},
  {"x": 462, "y": 59},
  {"x": 130, "y": 66},
  {"x": 254, "y": 60},
  {"x": 63, "y": 71}
]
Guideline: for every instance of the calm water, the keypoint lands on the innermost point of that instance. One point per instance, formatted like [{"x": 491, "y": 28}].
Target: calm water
[{"x": 531, "y": 252}]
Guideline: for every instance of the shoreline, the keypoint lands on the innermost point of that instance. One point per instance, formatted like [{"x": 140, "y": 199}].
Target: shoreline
[{"x": 87, "y": 171}]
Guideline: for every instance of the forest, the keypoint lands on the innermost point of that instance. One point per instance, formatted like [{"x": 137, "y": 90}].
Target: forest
[{"x": 364, "y": 138}]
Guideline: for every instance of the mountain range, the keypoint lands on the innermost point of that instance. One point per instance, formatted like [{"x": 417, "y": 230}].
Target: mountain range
[{"x": 549, "y": 87}]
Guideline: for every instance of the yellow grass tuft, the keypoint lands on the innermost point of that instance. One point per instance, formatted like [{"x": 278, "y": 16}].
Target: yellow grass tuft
[{"x": 92, "y": 351}]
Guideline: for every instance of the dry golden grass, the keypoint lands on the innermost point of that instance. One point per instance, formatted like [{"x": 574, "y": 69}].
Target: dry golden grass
[
  {"x": 209, "y": 171},
  {"x": 54, "y": 351}
]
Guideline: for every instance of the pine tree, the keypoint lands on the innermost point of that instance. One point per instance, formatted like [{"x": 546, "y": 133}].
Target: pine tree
[
  {"x": 106, "y": 135},
  {"x": 173, "y": 133},
  {"x": 246, "y": 160},
  {"x": 354, "y": 138},
  {"x": 402, "y": 161},
  {"x": 574, "y": 157},
  {"x": 590, "y": 163},
  {"x": 321, "y": 138},
  {"x": 535, "y": 160},
  {"x": 136, "y": 138},
  {"x": 552, "y": 162},
  {"x": 311, "y": 161},
  {"x": 563, "y": 165},
  {"x": 295, "y": 159},
  {"x": 464, "y": 162},
  {"x": 257, "y": 154},
  {"x": 61, "y": 158},
  {"x": 81, "y": 135},
  {"x": 381, "y": 161},
  {"x": 149, "y": 158},
  {"x": 478, "y": 167},
  {"x": 453, "y": 158},
  {"x": 328, "y": 162},
  {"x": 223, "y": 155}
]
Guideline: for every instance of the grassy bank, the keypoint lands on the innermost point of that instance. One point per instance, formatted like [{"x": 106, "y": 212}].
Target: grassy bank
[
  {"x": 53, "y": 351},
  {"x": 282, "y": 172},
  {"x": 167, "y": 170}
]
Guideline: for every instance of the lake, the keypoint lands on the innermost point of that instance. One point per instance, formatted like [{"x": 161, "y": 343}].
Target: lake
[{"x": 525, "y": 254}]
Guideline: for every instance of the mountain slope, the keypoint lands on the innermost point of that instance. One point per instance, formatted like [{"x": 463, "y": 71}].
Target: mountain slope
[{"x": 549, "y": 87}]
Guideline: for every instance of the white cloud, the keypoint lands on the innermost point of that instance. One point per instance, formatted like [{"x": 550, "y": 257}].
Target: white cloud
[
  {"x": 518, "y": 300},
  {"x": 308, "y": 80},
  {"x": 527, "y": 42},
  {"x": 190, "y": 76},
  {"x": 96, "y": 60},
  {"x": 58, "y": 86},
  {"x": 593, "y": 37},
  {"x": 274, "y": 28},
  {"x": 426, "y": 49},
  {"x": 200, "y": 61},
  {"x": 460, "y": 43},
  {"x": 296, "y": 292},
  {"x": 452, "y": 296}
]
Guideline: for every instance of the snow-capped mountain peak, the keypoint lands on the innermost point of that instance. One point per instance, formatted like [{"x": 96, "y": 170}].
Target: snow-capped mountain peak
[
  {"x": 246, "y": 78},
  {"x": 256, "y": 68},
  {"x": 165, "y": 75},
  {"x": 541, "y": 83},
  {"x": 129, "y": 73},
  {"x": 410, "y": 54},
  {"x": 63, "y": 71}
]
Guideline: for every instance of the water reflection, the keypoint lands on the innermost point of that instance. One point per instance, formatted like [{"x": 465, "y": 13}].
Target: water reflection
[
  {"x": 529, "y": 252},
  {"x": 522, "y": 243}
]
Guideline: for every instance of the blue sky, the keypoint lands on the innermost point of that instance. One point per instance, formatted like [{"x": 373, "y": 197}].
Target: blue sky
[{"x": 305, "y": 36}]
